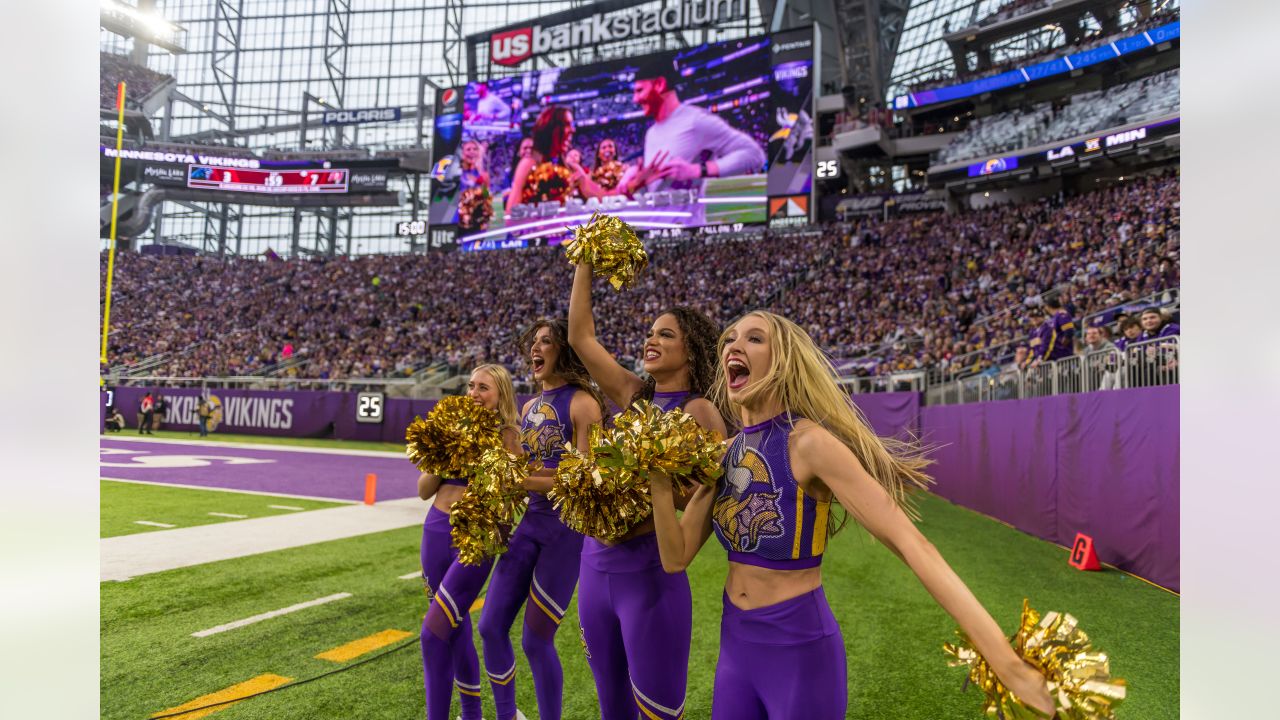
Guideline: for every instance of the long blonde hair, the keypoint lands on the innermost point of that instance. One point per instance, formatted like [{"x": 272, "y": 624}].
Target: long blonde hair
[
  {"x": 803, "y": 381},
  {"x": 506, "y": 394}
]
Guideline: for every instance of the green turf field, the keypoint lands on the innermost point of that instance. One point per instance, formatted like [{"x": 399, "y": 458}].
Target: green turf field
[
  {"x": 267, "y": 440},
  {"x": 123, "y": 503},
  {"x": 892, "y": 628}
]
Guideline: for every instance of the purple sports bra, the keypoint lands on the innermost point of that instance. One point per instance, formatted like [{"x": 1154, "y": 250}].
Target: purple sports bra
[{"x": 761, "y": 514}]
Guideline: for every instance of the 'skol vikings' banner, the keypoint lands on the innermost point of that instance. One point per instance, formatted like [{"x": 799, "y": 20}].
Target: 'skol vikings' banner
[{"x": 679, "y": 139}]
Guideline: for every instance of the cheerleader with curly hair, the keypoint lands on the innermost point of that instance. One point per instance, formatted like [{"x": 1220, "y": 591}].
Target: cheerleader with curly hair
[
  {"x": 804, "y": 444},
  {"x": 624, "y": 595},
  {"x": 540, "y": 565}
]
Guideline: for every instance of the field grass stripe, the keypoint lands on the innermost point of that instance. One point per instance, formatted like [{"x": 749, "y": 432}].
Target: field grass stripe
[
  {"x": 410, "y": 576},
  {"x": 285, "y": 507},
  {"x": 266, "y": 446},
  {"x": 249, "y": 687},
  {"x": 271, "y": 614},
  {"x": 356, "y": 648},
  {"x": 153, "y": 524},
  {"x": 228, "y": 515}
]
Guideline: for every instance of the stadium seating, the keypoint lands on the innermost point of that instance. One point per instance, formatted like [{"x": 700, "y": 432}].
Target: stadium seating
[
  {"x": 1137, "y": 101},
  {"x": 908, "y": 293}
]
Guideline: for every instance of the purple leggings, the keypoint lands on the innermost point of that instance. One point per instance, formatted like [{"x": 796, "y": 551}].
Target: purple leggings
[
  {"x": 448, "y": 654},
  {"x": 781, "y": 661},
  {"x": 540, "y": 565},
  {"x": 636, "y": 623}
]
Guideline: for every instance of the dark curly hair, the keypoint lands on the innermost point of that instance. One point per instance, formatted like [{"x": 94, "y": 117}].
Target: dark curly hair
[
  {"x": 701, "y": 336},
  {"x": 568, "y": 365}
]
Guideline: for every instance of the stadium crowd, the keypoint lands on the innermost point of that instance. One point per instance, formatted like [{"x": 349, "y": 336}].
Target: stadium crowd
[
  {"x": 114, "y": 69},
  {"x": 1138, "y": 101},
  {"x": 915, "y": 291}
]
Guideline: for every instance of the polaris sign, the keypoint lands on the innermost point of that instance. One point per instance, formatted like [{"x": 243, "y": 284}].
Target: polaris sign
[
  {"x": 513, "y": 47},
  {"x": 353, "y": 117}
]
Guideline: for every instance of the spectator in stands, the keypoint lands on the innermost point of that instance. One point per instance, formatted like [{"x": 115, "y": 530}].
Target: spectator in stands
[
  {"x": 1021, "y": 358},
  {"x": 1060, "y": 330},
  {"x": 1130, "y": 330},
  {"x": 1100, "y": 363},
  {"x": 1155, "y": 325},
  {"x": 148, "y": 414},
  {"x": 115, "y": 421}
]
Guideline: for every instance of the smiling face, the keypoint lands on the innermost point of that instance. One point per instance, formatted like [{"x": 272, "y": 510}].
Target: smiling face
[
  {"x": 543, "y": 353},
  {"x": 608, "y": 150},
  {"x": 664, "y": 348},
  {"x": 526, "y": 147},
  {"x": 746, "y": 354},
  {"x": 483, "y": 389},
  {"x": 1150, "y": 321}
]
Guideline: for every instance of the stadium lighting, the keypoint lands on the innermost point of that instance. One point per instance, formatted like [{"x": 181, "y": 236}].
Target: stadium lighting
[{"x": 128, "y": 21}]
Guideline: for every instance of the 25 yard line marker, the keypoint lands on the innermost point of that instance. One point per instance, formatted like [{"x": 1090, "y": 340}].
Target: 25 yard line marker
[
  {"x": 269, "y": 615},
  {"x": 235, "y": 692}
]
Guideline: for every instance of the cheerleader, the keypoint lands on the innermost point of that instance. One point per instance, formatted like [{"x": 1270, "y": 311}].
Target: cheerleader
[
  {"x": 541, "y": 561},
  {"x": 804, "y": 443},
  {"x": 623, "y": 595},
  {"x": 448, "y": 653},
  {"x": 543, "y": 176}
]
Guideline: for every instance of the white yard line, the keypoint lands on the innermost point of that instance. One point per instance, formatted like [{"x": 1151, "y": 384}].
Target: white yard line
[
  {"x": 263, "y": 446},
  {"x": 229, "y": 515},
  {"x": 234, "y": 490},
  {"x": 269, "y": 615},
  {"x": 153, "y": 524},
  {"x": 410, "y": 576},
  {"x": 285, "y": 507}
]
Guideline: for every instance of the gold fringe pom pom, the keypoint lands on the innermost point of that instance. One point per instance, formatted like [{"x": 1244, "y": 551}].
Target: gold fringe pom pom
[
  {"x": 611, "y": 247},
  {"x": 1079, "y": 677},
  {"x": 490, "y": 506},
  {"x": 605, "y": 493},
  {"x": 452, "y": 437}
]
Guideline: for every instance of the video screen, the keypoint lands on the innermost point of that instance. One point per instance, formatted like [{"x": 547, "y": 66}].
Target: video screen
[{"x": 681, "y": 139}]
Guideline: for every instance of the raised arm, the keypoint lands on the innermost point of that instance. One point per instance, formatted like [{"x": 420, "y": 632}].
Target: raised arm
[
  {"x": 820, "y": 458},
  {"x": 428, "y": 484},
  {"x": 617, "y": 382}
]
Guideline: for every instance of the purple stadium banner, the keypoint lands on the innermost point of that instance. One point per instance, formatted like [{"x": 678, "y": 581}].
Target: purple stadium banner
[{"x": 1104, "y": 464}]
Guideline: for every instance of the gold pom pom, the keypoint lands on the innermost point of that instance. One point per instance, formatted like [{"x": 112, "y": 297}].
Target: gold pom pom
[
  {"x": 490, "y": 506},
  {"x": 605, "y": 493},
  {"x": 453, "y": 436},
  {"x": 611, "y": 247},
  {"x": 1079, "y": 677}
]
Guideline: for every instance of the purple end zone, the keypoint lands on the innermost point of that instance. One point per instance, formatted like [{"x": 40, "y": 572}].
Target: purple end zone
[{"x": 327, "y": 475}]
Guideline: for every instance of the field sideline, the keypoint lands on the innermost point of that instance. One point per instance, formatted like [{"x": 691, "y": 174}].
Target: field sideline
[{"x": 892, "y": 628}]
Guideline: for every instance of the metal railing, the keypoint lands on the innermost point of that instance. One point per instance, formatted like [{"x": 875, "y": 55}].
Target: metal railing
[
  {"x": 267, "y": 383},
  {"x": 1145, "y": 364},
  {"x": 896, "y": 382}
]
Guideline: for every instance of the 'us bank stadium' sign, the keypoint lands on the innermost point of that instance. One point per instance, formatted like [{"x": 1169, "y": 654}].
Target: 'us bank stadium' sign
[{"x": 512, "y": 47}]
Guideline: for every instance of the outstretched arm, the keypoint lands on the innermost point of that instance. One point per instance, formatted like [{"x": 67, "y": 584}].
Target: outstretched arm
[
  {"x": 618, "y": 383},
  {"x": 817, "y": 456}
]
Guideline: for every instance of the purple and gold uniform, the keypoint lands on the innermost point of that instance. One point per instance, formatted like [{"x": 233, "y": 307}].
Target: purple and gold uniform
[
  {"x": 448, "y": 654},
  {"x": 624, "y": 596},
  {"x": 1060, "y": 336},
  {"x": 784, "y": 660},
  {"x": 540, "y": 565}
]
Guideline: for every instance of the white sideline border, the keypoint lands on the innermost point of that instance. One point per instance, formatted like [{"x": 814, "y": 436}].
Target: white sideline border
[
  {"x": 260, "y": 446},
  {"x": 264, "y": 493}
]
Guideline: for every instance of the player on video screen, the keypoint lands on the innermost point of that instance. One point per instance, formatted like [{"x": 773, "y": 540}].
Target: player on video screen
[
  {"x": 489, "y": 107},
  {"x": 685, "y": 143}
]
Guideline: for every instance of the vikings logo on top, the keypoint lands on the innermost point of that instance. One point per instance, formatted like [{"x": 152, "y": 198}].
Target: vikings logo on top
[
  {"x": 746, "y": 516},
  {"x": 542, "y": 434}
]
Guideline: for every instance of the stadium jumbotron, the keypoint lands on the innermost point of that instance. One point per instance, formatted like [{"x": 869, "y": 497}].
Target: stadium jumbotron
[{"x": 438, "y": 338}]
